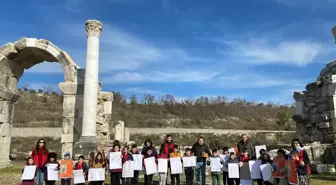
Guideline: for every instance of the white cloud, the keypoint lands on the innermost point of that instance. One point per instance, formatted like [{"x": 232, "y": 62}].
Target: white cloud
[
  {"x": 251, "y": 80},
  {"x": 159, "y": 77},
  {"x": 137, "y": 90},
  {"x": 298, "y": 53}
]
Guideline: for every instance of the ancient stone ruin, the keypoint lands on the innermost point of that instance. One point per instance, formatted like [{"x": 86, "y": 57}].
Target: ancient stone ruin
[
  {"x": 315, "y": 108},
  {"x": 28, "y": 52}
]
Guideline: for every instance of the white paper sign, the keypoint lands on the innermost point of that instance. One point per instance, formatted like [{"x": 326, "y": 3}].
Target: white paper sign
[
  {"x": 162, "y": 165},
  {"x": 128, "y": 169},
  {"x": 137, "y": 162},
  {"x": 258, "y": 148},
  {"x": 189, "y": 161},
  {"x": 78, "y": 177},
  {"x": 150, "y": 166},
  {"x": 96, "y": 174},
  {"x": 232, "y": 150},
  {"x": 246, "y": 182},
  {"x": 233, "y": 169},
  {"x": 224, "y": 159},
  {"x": 176, "y": 165},
  {"x": 52, "y": 172},
  {"x": 29, "y": 173},
  {"x": 215, "y": 164},
  {"x": 115, "y": 160},
  {"x": 266, "y": 172},
  {"x": 255, "y": 169}
]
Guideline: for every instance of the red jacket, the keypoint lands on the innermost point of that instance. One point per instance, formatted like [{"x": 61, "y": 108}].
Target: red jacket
[
  {"x": 40, "y": 158},
  {"x": 168, "y": 148}
]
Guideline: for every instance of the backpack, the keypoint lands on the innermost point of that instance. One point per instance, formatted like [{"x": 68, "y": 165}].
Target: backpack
[{"x": 301, "y": 158}]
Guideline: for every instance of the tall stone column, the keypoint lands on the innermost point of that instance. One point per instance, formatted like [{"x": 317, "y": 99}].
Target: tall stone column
[{"x": 88, "y": 139}]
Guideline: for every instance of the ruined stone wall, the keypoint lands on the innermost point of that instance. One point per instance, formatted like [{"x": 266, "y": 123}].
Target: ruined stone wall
[
  {"x": 315, "y": 108},
  {"x": 104, "y": 115}
]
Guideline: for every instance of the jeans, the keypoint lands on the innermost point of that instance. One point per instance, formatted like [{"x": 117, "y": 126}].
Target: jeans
[
  {"x": 175, "y": 177},
  {"x": 39, "y": 177},
  {"x": 163, "y": 178},
  {"x": 200, "y": 170},
  {"x": 66, "y": 181},
  {"x": 189, "y": 175},
  {"x": 115, "y": 178},
  {"x": 225, "y": 178},
  {"x": 135, "y": 178},
  {"x": 215, "y": 179}
]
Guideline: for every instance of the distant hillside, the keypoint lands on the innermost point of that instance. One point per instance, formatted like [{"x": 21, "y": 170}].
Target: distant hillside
[{"x": 44, "y": 108}]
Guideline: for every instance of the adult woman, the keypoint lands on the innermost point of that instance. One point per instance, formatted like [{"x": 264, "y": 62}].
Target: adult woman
[
  {"x": 149, "y": 144},
  {"x": 40, "y": 156},
  {"x": 303, "y": 157}
]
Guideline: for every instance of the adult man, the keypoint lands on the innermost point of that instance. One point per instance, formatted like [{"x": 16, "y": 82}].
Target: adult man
[
  {"x": 168, "y": 145},
  {"x": 245, "y": 144},
  {"x": 201, "y": 151}
]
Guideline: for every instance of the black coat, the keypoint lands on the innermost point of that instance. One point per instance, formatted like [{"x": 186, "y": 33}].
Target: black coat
[
  {"x": 198, "y": 149},
  {"x": 246, "y": 146}
]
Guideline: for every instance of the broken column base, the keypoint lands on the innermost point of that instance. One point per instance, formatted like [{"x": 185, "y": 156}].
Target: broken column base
[
  {"x": 5, "y": 163},
  {"x": 84, "y": 146}
]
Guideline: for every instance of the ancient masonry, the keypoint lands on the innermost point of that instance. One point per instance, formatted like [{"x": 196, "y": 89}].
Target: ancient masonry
[
  {"x": 27, "y": 52},
  {"x": 315, "y": 108}
]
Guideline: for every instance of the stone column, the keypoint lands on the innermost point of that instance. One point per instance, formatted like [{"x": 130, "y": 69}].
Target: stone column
[
  {"x": 88, "y": 140},
  {"x": 93, "y": 29}
]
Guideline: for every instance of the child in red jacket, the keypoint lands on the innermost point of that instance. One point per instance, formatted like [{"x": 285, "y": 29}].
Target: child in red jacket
[{"x": 163, "y": 176}]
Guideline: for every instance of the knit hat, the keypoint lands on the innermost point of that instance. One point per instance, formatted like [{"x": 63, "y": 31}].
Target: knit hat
[{"x": 66, "y": 154}]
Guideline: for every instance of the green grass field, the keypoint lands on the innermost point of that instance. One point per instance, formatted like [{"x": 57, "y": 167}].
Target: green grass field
[{"x": 12, "y": 176}]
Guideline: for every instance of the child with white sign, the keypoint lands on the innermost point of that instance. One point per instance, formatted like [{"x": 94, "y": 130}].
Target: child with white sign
[
  {"x": 81, "y": 165},
  {"x": 163, "y": 176},
  {"x": 50, "y": 174},
  {"x": 216, "y": 168},
  {"x": 189, "y": 171},
  {"x": 148, "y": 177},
  {"x": 115, "y": 174},
  {"x": 126, "y": 156},
  {"x": 134, "y": 151},
  {"x": 225, "y": 169},
  {"x": 233, "y": 159},
  {"x": 98, "y": 162},
  {"x": 175, "y": 177},
  {"x": 27, "y": 181},
  {"x": 265, "y": 159}
]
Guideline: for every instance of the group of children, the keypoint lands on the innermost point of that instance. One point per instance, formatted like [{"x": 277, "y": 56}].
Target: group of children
[{"x": 100, "y": 161}]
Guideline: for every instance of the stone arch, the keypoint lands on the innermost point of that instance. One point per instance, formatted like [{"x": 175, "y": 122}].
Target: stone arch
[{"x": 24, "y": 54}]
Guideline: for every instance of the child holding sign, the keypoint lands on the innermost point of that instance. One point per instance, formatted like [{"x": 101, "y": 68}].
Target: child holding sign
[
  {"x": 126, "y": 156},
  {"x": 301, "y": 168},
  {"x": 174, "y": 177},
  {"x": 189, "y": 171},
  {"x": 98, "y": 162},
  {"x": 50, "y": 161},
  {"x": 30, "y": 162},
  {"x": 66, "y": 169},
  {"x": 81, "y": 165},
  {"x": 134, "y": 150},
  {"x": 163, "y": 176}
]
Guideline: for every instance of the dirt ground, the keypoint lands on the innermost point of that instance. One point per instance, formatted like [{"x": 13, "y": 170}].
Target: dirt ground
[{"x": 12, "y": 176}]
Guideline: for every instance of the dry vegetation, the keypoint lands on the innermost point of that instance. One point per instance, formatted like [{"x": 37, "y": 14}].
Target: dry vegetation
[{"x": 44, "y": 108}]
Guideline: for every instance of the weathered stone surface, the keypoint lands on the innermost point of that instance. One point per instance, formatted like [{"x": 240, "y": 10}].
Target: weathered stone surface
[
  {"x": 322, "y": 168},
  {"x": 106, "y": 96},
  {"x": 311, "y": 87},
  {"x": 299, "y": 96},
  {"x": 310, "y": 104},
  {"x": 324, "y": 125}
]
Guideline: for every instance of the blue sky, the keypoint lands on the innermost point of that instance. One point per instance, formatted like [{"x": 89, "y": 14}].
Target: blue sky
[{"x": 261, "y": 50}]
